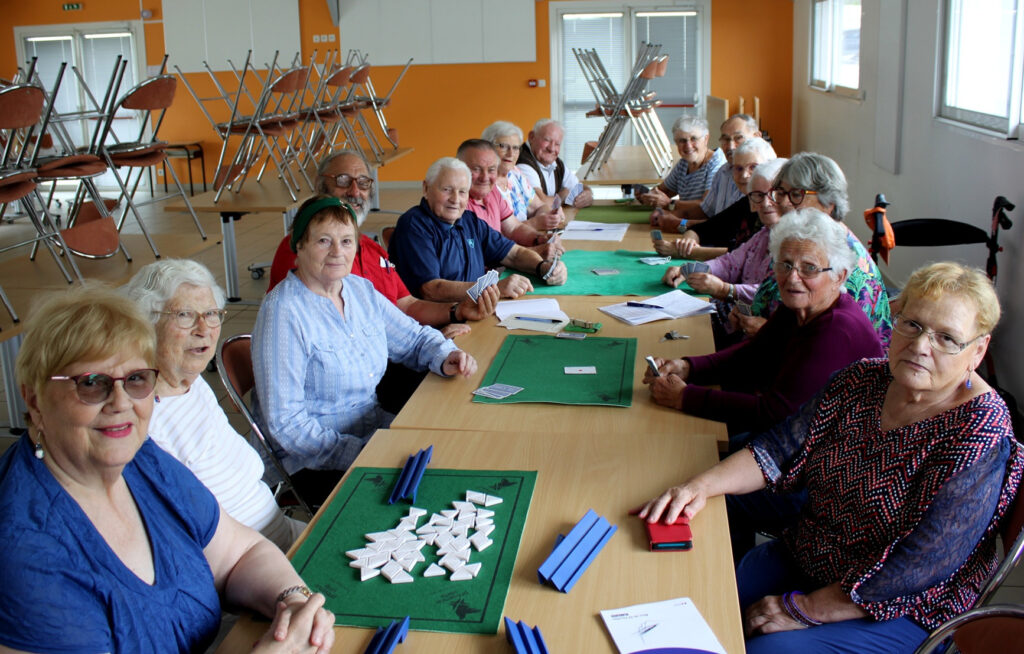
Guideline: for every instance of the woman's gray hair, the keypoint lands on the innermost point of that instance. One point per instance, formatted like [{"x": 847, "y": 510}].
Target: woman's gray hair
[
  {"x": 766, "y": 171},
  {"x": 816, "y": 172},
  {"x": 155, "y": 284},
  {"x": 756, "y": 146},
  {"x": 501, "y": 129},
  {"x": 818, "y": 228},
  {"x": 443, "y": 164},
  {"x": 690, "y": 125}
]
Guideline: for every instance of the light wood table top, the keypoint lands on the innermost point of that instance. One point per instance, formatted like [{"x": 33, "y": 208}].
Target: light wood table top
[
  {"x": 446, "y": 404},
  {"x": 628, "y": 164},
  {"x": 574, "y": 475}
]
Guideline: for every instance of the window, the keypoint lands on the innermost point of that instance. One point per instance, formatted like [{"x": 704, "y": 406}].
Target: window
[
  {"x": 982, "y": 69},
  {"x": 835, "y": 46}
]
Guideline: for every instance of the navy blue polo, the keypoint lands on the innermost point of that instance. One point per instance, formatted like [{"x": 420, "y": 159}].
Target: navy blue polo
[{"x": 424, "y": 248}]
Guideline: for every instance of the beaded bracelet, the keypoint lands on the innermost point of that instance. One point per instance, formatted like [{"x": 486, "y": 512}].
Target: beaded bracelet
[{"x": 794, "y": 611}]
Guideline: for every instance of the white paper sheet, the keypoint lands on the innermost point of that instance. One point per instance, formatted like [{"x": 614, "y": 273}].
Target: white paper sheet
[
  {"x": 675, "y": 304},
  {"x": 541, "y": 307},
  {"x": 585, "y": 230},
  {"x": 660, "y": 626}
]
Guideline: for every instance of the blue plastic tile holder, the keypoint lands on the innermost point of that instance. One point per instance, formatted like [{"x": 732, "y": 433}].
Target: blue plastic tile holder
[
  {"x": 386, "y": 638},
  {"x": 412, "y": 473},
  {"x": 523, "y": 639},
  {"x": 574, "y": 552}
]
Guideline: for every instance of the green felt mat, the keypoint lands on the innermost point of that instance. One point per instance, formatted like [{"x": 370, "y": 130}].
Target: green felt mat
[
  {"x": 616, "y": 213},
  {"x": 432, "y": 603},
  {"x": 537, "y": 363},
  {"x": 634, "y": 278}
]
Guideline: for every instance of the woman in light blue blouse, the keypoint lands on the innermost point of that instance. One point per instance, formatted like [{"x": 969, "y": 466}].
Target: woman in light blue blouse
[{"x": 321, "y": 343}]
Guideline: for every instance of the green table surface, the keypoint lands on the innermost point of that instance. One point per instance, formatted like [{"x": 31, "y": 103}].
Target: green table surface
[
  {"x": 432, "y": 603},
  {"x": 537, "y": 364},
  {"x": 633, "y": 278},
  {"x": 616, "y": 213}
]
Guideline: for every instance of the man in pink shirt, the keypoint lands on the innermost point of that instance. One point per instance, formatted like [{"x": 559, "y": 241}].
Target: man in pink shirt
[{"x": 486, "y": 201}]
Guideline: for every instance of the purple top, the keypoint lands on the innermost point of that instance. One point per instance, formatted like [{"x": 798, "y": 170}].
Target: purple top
[
  {"x": 785, "y": 364},
  {"x": 906, "y": 519},
  {"x": 746, "y": 266}
]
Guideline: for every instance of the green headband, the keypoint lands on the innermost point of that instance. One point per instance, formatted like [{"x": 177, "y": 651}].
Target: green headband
[{"x": 301, "y": 222}]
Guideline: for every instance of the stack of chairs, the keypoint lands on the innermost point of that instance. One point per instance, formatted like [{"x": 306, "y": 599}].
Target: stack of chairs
[
  {"x": 634, "y": 106},
  {"x": 370, "y": 99}
]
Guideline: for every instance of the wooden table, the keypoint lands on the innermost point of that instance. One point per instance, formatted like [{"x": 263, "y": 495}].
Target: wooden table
[
  {"x": 628, "y": 164},
  {"x": 271, "y": 196},
  {"x": 574, "y": 474},
  {"x": 446, "y": 404}
]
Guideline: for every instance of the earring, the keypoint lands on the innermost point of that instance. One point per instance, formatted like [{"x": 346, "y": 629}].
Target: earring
[
  {"x": 38, "y": 451},
  {"x": 967, "y": 384}
]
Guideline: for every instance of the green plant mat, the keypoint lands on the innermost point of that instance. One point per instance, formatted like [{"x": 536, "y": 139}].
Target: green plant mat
[
  {"x": 633, "y": 278},
  {"x": 432, "y": 603},
  {"x": 537, "y": 363},
  {"x": 631, "y": 212}
]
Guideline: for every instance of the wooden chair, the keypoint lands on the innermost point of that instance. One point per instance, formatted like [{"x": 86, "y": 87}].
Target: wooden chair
[{"x": 234, "y": 365}]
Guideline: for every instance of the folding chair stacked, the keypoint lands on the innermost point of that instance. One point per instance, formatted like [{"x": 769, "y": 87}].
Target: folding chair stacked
[
  {"x": 21, "y": 107},
  {"x": 371, "y": 100},
  {"x": 634, "y": 106}
]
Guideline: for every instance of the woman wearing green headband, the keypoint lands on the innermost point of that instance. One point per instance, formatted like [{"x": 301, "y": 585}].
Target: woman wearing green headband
[{"x": 321, "y": 344}]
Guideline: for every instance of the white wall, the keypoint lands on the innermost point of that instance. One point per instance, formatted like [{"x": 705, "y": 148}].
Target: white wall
[{"x": 943, "y": 170}]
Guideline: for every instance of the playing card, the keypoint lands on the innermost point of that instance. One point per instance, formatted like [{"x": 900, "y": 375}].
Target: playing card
[
  {"x": 655, "y": 261},
  {"x": 506, "y": 388},
  {"x": 605, "y": 271},
  {"x": 656, "y": 235},
  {"x": 699, "y": 267},
  {"x": 744, "y": 309},
  {"x": 581, "y": 370}
]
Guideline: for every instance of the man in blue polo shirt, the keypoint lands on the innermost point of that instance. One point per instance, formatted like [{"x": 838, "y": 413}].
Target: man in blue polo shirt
[{"x": 440, "y": 249}]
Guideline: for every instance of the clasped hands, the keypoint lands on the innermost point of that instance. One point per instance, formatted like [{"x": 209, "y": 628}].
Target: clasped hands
[{"x": 667, "y": 390}]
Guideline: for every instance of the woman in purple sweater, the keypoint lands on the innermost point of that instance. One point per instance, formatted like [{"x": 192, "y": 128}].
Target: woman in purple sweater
[{"x": 818, "y": 330}]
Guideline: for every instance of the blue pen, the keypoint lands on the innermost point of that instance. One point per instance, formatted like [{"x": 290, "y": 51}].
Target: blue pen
[
  {"x": 641, "y": 305},
  {"x": 533, "y": 319}
]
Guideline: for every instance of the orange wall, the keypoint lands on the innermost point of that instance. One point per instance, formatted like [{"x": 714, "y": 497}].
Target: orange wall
[{"x": 438, "y": 106}]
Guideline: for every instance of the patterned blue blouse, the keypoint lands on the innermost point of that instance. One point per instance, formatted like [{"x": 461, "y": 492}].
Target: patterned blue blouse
[{"x": 905, "y": 520}]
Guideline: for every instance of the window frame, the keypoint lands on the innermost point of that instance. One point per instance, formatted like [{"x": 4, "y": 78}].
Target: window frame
[
  {"x": 1011, "y": 126},
  {"x": 835, "y": 37}
]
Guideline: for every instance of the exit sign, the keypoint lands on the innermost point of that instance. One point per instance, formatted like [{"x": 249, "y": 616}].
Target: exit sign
[{"x": 72, "y": 6}]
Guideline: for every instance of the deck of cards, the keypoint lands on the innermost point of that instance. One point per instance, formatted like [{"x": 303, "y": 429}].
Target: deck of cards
[
  {"x": 744, "y": 309},
  {"x": 655, "y": 261},
  {"x": 694, "y": 267},
  {"x": 497, "y": 391},
  {"x": 488, "y": 279}
]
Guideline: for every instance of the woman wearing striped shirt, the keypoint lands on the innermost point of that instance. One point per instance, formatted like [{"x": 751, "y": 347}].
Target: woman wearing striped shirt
[{"x": 691, "y": 177}]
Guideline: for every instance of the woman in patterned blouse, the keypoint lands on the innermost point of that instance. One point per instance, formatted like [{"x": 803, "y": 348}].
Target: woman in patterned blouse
[
  {"x": 515, "y": 188},
  {"x": 909, "y": 465}
]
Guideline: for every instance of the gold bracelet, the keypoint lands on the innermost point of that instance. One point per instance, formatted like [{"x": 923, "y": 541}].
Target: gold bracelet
[{"x": 303, "y": 590}]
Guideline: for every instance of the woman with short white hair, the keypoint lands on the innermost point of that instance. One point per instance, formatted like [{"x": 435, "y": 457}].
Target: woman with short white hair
[
  {"x": 185, "y": 303},
  {"x": 817, "y": 330},
  {"x": 691, "y": 177}
]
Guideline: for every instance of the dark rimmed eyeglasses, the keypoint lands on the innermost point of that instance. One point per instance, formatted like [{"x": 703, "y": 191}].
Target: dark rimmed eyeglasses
[
  {"x": 508, "y": 147},
  {"x": 940, "y": 341},
  {"x": 187, "y": 319},
  {"x": 344, "y": 181},
  {"x": 96, "y": 387},
  {"x": 757, "y": 197},
  {"x": 804, "y": 270},
  {"x": 794, "y": 195}
]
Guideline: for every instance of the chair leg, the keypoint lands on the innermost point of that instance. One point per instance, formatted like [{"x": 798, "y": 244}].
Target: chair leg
[
  {"x": 188, "y": 204},
  {"x": 47, "y": 231},
  {"x": 129, "y": 206},
  {"x": 7, "y": 304}
]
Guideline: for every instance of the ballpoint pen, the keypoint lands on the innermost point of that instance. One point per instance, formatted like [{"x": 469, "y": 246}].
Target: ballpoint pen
[
  {"x": 535, "y": 319},
  {"x": 641, "y": 305}
]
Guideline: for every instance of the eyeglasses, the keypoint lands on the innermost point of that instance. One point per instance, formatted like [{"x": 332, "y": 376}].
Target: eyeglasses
[
  {"x": 940, "y": 341},
  {"x": 735, "y": 138},
  {"x": 508, "y": 147},
  {"x": 344, "y": 181},
  {"x": 757, "y": 197},
  {"x": 187, "y": 319},
  {"x": 692, "y": 140},
  {"x": 95, "y": 387},
  {"x": 794, "y": 195},
  {"x": 804, "y": 270}
]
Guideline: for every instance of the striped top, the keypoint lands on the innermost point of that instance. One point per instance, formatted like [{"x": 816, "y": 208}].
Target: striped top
[
  {"x": 693, "y": 186},
  {"x": 194, "y": 430}
]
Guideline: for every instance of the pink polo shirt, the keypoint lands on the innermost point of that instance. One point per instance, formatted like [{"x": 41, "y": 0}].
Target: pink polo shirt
[{"x": 492, "y": 210}]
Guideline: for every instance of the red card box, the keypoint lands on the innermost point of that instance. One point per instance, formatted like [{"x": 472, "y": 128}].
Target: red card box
[{"x": 670, "y": 538}]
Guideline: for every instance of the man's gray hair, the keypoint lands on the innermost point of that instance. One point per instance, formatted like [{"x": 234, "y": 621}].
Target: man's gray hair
[
  {"x": 756, "y": 146},
  {"x": 747, "y": 119},
  {"x": 818, "y": 228},
  {"x": 443, "y": 164},
  {"x": 816, "y": 172},
  {"x": 501, "y": 129},
  {"x": 325, "y": 163},
  {"x": 544, "y": 122},
  {"x": 690, "y": 125},
  {"x": 156, "y": 283}
]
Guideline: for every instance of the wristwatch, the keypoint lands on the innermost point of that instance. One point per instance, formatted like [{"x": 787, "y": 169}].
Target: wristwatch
[{"x": 452, "y": 314}]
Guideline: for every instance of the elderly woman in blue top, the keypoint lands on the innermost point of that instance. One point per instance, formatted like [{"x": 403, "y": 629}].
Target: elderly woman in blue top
[
  {"x": 909, "y": 466},
  {"x": 321, "y": 343},
  {"x": 110, "y": 544}
]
